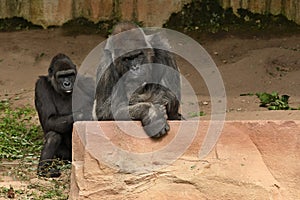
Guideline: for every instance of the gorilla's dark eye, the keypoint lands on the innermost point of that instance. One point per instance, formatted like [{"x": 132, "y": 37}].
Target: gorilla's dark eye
[
  {"x": 66, "y": 75},
  {"x": 125, "y": 59}
]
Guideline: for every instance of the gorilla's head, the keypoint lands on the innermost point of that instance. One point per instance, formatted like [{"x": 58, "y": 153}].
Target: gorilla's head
[{"x": 62, "y": 73}]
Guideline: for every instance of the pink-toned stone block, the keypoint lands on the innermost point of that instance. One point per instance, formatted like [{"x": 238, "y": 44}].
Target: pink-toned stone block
[{"x": 252, "y": 160}]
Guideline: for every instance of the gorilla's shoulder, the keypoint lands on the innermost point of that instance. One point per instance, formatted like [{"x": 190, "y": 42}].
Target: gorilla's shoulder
[
  {"x": 42, "y": 81},
  {"x": 42, "y": 78}
]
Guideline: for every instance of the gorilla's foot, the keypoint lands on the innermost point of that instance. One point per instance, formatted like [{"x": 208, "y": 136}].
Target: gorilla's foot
[{"x": 48, "y": 169}]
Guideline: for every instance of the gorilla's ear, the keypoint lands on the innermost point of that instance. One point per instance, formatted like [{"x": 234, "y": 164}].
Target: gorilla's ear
[
  {"x": 158, "y": 40},
  {"x": 108, "y": 52},
  {"x": 73, "y": 66},
  {"x": 50, "y": 71}
]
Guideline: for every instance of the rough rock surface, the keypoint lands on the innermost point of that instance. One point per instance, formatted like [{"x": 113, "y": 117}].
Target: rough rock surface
[
  {"x": 252, "y": 160},
  {"x": 288, "y": 8},
  {"x": 57, "y": 12},
  {"x": 151, "y": 13}
]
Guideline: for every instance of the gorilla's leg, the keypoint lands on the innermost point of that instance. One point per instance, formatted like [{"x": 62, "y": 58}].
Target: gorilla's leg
[
  {"x": 64, "y": 151},
  {"x": 47, "y": 165}
]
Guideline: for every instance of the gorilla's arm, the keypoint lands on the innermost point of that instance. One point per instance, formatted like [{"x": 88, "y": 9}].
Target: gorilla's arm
[
  {"x": 47, "y": 109},
  {"x": 60, "y": 124},
  {"x": 152, "y": 116}
]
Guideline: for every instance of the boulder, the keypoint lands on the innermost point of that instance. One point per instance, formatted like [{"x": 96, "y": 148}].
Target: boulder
[{"x": 252, "y": 160}]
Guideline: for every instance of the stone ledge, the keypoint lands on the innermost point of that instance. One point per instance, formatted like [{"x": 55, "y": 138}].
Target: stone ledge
[{"x": 252, "y": 160}]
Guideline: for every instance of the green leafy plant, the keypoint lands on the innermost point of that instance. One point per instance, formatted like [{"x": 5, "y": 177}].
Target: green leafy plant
[
  {"x": 19, "y": 135},
  {"x": 21, "y": 140},
  {"x": 273, "y": 101}
]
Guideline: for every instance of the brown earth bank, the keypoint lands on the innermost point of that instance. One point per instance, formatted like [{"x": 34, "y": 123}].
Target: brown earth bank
[{"x": 247, "y": 64}]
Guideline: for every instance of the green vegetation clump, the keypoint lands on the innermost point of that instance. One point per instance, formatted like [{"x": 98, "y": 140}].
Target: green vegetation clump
[
  {"x": 40, "y": 189},
  {"x": 273, "y": 101},
  {"x": 208, "y": 16},
  {"x": 19, "y": 135},
  {"x": 82, "y": 25},
  {"x": 16, "y": 24},
  {"x": 21, "y": 140}
]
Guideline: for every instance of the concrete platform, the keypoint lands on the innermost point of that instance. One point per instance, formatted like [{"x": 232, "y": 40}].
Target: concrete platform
[{"x": 252, "y": 160}]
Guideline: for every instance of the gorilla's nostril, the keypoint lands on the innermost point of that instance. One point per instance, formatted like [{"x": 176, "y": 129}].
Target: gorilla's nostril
[{"x": 67, "y": 84}]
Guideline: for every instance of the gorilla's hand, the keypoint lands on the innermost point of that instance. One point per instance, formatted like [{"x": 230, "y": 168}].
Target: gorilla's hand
[{"x": 155, "y": 122}]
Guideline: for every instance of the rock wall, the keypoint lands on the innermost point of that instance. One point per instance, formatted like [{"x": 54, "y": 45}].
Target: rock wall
[
  {"x": 57, "y": 12},
  {"x": 151, "y": 12},
  {"x": 288, "y": 8}
]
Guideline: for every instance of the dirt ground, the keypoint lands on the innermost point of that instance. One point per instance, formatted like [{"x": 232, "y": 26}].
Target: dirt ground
[{"x": 247, "y": 64}]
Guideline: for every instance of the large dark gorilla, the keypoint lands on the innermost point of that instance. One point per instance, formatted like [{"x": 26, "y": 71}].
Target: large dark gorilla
[
  {"x": 53, "y": 102},
  {"x": 131, "y": 87}
]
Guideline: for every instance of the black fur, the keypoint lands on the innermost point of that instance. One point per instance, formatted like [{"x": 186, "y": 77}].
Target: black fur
[
  {"x": 151, "y": 103},
  {"x": 54, "y": 106}
]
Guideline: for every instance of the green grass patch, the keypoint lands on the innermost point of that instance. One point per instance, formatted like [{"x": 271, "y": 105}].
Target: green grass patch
[
  {"x": 21, "y": 140},
  {"x": 19, "y": 135}
]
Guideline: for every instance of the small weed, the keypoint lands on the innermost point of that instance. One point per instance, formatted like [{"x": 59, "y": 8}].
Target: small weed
[
  {"x": 39, "y": 56},
  {"x": 196, "y": 114},
  {"x": 193, "y": 167}
]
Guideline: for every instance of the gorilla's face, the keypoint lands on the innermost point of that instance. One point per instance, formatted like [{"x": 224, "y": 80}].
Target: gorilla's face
[
  {"x": 131, "y": 64},
  {"x": 62, "y": 73},
  {"x": 65, "y": 80}
]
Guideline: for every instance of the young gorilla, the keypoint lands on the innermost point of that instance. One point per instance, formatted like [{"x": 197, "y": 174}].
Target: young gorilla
[
  {"x": 53, "y": 102},
  {"x": 140, "y": 94}
]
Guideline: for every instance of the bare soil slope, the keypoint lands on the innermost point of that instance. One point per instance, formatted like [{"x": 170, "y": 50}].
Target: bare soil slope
[{"x": 247, "y": 65}]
